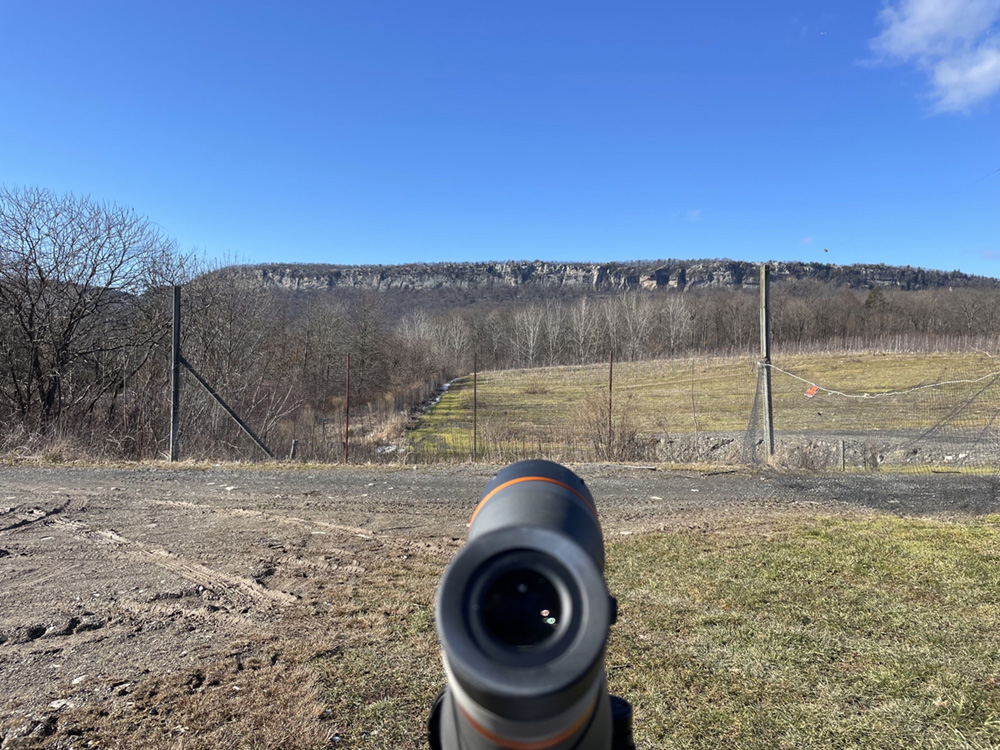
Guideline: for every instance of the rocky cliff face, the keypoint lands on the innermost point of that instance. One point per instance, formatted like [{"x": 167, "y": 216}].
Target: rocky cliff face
[{"x": 598, "y": 277}]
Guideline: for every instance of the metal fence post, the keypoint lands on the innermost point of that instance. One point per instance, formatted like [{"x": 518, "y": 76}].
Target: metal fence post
[
  {"x": 611, "y": 381},
  {"x": 765, "y": 358},
  {"x": 347, "y": 410},
  {"x": 475, "y": 405},
  {"x": 175, "y": 375}
]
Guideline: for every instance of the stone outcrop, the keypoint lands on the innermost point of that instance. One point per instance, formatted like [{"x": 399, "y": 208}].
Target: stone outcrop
[{"x": 598, "y": 277}]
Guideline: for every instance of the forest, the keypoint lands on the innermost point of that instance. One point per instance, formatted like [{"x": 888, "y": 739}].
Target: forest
[{"x": 85, "y": 326}]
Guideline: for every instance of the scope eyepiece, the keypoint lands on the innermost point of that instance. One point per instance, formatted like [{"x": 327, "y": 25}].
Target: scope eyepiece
[
  {"x": 520, "y": 607},
  {"x": 523, "y": 614}
]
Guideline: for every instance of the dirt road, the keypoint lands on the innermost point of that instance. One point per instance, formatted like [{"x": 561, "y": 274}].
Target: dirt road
[{"x": 110, "y": 576}]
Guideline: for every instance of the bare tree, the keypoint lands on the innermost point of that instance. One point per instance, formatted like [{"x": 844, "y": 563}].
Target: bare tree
[
  {"x": 637, "y": 315},
  {"x": 614, "y": 326},
  {"x": 527, "y": 330},
  {"x": 240, "y": 340},
  {"x": 494, "y": 327},
  {"x": 584, "y": 330},
  {"x": 367, "y": 342},
  {"x": 977, "y": 312},
  {"x": 417, "y": 328},
  {"x": 676, "y": 323},
  {"x": 77, "y": 305},
  {"x": 452, "y": 336},
  {"x": 554, "y": 323}
]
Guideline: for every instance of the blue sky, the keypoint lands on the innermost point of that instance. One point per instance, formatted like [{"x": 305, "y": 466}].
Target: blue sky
[{"x": 393, "y": 132}]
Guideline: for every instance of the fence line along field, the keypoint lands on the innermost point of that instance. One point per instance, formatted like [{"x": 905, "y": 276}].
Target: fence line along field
[
  {"x": 912, "y": 411},
  {"x": 207, "y": 607}
]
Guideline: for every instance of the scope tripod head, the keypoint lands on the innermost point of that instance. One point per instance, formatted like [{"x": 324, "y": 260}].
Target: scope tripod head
[{"x": 523, "y": 615}]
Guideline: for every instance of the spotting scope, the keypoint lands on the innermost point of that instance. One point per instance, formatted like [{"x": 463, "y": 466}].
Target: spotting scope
[{"x": 523, "y": 614}]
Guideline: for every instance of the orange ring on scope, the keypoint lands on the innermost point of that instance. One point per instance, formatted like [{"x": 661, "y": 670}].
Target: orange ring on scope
[
  {"x": 505, "y": 485},
  {"x": 531, "y": 744}
]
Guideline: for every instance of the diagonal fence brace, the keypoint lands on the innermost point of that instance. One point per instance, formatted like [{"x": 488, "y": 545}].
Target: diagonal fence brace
[{"x": 211, "y": 392}]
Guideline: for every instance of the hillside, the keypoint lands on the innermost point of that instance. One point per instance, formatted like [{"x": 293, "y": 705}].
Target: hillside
[{"x": 516, "y": 276}]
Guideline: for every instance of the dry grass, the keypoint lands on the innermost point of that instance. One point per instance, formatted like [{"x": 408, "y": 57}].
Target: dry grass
[
  {"x": 381, "y": 683},
  {"x": 544, "y": 409},
  {"x": 238, "y": 704},
  {"x": 828, "y": 632}
]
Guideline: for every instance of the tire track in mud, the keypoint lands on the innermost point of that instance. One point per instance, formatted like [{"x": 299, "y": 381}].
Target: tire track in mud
[
  {"x": 35, "y": 514},
  {"x": 59, "y": 570},
  {"x": 289, "y": 563},
  {"x": 381, "y": 541},
  {"x": 335, "y": 558},
  {"x": 292, "y": 520},
  {"x": 239, "y": 591}
]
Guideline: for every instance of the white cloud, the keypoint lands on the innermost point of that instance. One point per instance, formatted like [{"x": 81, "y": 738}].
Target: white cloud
[
  {"x": 693, "y": 215},
  {"x": 961, "y": 82},
  {"x": 956, "y": 42},
  {"x": 806, "y": 240}
]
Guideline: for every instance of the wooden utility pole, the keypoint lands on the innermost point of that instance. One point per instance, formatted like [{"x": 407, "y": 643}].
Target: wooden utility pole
[
  {"x": 175, "y": 375},
  {"x": 765, "y": 359},
  {"x": 347, "y": 410}
]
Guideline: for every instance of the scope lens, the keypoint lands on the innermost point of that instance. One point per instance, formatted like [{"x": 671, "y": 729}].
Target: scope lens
[{"x": 520, "y": 608}]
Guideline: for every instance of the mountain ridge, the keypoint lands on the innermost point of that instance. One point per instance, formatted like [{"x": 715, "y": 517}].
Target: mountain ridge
[{"x": 678, "y": 275}]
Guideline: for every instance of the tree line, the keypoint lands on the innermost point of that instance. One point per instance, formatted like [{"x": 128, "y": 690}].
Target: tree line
[
  {"x": 85, "y": 321},
  {"x": 638, "y": 325}
]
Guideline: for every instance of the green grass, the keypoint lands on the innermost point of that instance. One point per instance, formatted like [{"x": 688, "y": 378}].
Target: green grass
[
  {"x": 799, "y": 633},
  {"x": 559, "y": 409}
]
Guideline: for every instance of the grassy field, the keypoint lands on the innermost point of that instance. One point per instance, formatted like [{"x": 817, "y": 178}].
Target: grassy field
[
  {"x": 560, "y": 410},
  {"x": 818, "y": 633}
]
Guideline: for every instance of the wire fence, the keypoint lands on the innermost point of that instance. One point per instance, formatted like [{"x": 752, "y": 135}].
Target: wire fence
[
  {"x": 666, "y": 411},
  {"x": 901, "y": 412},
  {"x": 844, "y": 412}
]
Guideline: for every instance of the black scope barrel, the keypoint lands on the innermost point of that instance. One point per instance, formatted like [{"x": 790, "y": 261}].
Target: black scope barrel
[{"x": 523, "y": 615}]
